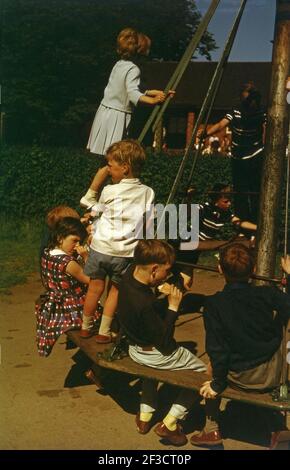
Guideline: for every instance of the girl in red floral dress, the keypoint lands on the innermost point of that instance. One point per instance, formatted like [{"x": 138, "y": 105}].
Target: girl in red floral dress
[{"x": 65, "y": 282}]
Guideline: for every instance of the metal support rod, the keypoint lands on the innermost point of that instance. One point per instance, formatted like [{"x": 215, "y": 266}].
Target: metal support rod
[
  {"x": 197, "y": 153},
  {"x": 182, "y": 66},
  {"x": 215, "y": 270},
  {"x": 158, "y": 110},
  {"x": 213, "y": 88},
  {"x": 205, "y": 110}
]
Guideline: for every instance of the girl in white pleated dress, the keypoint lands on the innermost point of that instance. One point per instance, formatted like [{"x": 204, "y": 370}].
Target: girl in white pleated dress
[{"x": 121, "y": 96}]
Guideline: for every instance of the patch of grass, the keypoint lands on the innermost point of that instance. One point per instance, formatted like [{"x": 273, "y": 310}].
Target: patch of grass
[
  {"x": 209, "y": 258},
  {"x": 19, "y": 248},
  {"x": 19, "y": 252}
]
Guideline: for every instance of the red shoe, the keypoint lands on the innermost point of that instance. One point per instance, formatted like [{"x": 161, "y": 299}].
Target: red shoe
[
  {"x": 85, "y": 334},
  {"x": 103, "y": 339},
  {"x": 176, "y": 438},
  {"x": 203, "y": 438},
  {"x": 143, "y": 427}
]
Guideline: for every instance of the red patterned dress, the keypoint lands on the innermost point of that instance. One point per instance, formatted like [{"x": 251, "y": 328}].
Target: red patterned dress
[{"x": 62, "y": 306}]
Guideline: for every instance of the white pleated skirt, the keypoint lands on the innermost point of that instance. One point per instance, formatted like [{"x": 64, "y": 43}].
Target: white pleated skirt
[{"x": 109, "y": 126}]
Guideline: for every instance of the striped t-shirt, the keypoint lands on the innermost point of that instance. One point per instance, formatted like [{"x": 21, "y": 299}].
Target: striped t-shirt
[
  {"x": 247, "y": 132},
  {"x": 211, "y": 220}
]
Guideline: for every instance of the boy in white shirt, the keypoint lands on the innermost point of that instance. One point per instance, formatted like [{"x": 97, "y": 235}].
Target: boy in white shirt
[{"x": 122, "y": 207}]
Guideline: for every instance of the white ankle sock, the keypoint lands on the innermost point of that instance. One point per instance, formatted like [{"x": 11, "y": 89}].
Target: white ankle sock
[
  {"x": 105, "y": 327},
  {"x": 88, "y": 322},
  {"x": 91, "y": 194}
]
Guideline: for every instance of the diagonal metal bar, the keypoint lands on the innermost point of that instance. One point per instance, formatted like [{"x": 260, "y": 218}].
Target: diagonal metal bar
[
  {"x": 214, "y": 87},
  {"x": 211, "y": 94},
  {"x": 158, "y": 110},
  {"x": 213, "y": 269}
]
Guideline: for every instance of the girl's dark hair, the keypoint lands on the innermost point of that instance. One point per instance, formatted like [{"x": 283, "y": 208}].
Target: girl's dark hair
[{"x": 65, "y": 227}]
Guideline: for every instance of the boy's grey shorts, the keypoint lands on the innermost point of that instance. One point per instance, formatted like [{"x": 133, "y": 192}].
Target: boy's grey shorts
[{"x": 99, "y": 266}]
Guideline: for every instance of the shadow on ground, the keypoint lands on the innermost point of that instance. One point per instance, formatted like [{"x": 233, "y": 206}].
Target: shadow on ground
[{"x": 238, "y": 421}]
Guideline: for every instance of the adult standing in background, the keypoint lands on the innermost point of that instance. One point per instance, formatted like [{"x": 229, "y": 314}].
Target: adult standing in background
[{"x": 247, "y": 122}]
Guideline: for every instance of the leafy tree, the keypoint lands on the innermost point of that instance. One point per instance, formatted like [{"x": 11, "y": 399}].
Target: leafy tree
[{"x": 57, "y": 55}]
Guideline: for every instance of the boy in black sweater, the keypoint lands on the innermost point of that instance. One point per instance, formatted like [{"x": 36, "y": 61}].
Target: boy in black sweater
[
  {"x": 150, "y": 330},
  {"x": 244, "y": 329}
]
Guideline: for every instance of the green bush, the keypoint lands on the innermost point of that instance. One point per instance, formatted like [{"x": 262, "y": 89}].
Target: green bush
[
  {"x": 34, "y": 179},
  {"x": 19, "y": 251}
]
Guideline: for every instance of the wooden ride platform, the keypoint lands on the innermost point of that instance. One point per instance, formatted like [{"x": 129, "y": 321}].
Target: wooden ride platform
[{"x": 183, "y": 378}]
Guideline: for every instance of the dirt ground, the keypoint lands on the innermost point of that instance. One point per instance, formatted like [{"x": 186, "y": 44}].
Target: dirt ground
[{"x": 48, "y": 404}]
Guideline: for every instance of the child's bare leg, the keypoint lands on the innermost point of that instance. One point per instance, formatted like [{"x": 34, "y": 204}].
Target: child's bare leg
[
  {"x": 94, "y": 293},
  {"x": 91, "y": 196},
  {"x": 99, "y": 179},
  {"x": 110, "y": 307}
]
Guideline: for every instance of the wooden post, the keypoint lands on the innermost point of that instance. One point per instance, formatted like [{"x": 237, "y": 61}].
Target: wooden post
[{"x": 275, "y": 148}]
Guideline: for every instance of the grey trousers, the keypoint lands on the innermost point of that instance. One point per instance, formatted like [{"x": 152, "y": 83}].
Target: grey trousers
[{"x": 184, "y": 400}]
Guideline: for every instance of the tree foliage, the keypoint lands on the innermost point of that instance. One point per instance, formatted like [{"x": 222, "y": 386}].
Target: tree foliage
[{"x": 57, "y": 55}]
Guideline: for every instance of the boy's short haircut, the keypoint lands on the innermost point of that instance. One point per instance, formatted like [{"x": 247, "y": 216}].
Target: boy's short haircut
[
  {"x": 254, "y": 94},
  {"x": 237, "y": 262},
  {"x": 58, "y": 213},
  {"x": 128, "y": 151},
  {"x": 218, "y": 190},
  {"x": 154, "y": 251}
]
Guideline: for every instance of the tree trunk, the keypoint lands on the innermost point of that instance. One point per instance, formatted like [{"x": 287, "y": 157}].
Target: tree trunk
[{"x": 275, "y": 148}]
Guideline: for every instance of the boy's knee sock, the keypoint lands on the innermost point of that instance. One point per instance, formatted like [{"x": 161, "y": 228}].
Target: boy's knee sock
[
  {"x": 170, "y": 422},
  {"x": 176, "y": 412},
  {"x": 88, "y": 322},
  {"x": 210, "y": 425},
  {"x": 105, "y": 326},
  {"x": 212, "y": 414},
  {"x": 145, "y": 416}
]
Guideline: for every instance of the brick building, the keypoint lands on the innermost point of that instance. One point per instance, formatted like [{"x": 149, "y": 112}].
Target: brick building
[{"x": 182, "y": 111}]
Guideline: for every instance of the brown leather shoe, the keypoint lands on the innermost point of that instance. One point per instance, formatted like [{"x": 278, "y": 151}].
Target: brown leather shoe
[
  {"x": 176, "y": 438},
  {"x": 203, "y": 438},
  {"x": 143, "y": 427},
  {"x": 94, "y": 379},
  {"x": 280, "y": 440},
  {"x": 85, "y": 334}
]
